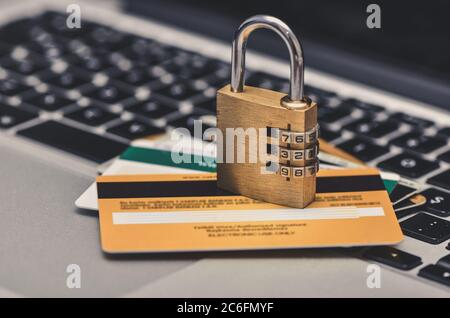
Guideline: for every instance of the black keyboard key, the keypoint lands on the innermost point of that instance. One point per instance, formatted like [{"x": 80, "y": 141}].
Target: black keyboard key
[
  {"x": 147, "y": 52},
  {"x": 92, "y": 116},
  {"x": 151, "y": 109},
  {"x": 48, "y": 101},
  {"x": 25, "y": 66},
  {"x": 16, "y": 32},
  {"x": 191, "y": 67},
  {"x": 411, "y": 120},
  {"x": 330, "y": 115},
  {"x": 267, "y": 81},
  {"x": 427, "y": 228},
  {"x": 12, "y": 116},
  {"x": 107, "y": 39},
  {"x": 67, "y": 79},
  {"x": 448, "y": 246},
  {"x": 189, "y": 122},
  {"x": 11, "y": 87},
  {"x": 209, "y": 105},
  {"x": 372, "y": 128},
  {"x": 328, "y": 134},
  {"x": 445, "y": 156},
  {"x": 409, "y": 165},
  {"x": 78, "y": 142},
  {"x": 364, "y": 150},
  {"x": 367, "y": 107},
  {"x": 47, "y": 48},
  {"x": 109, "y": 94},
  {"x": 441, "y": 180},
  {"x": 436, "y": 273},
  {"x": 135, "y": 129},
  {"x": 416, "y": 141},
  {"x": 90, "y": 63},
  {"x": 444, "y": 132},
  {"x": 318, "y": 92},
  {"x": 444, "y": 261},
  {"x": 438, "y": 202},
  {"x": 179, "y": 91},
  {"x": 136, "y": 76},
  {"x": 5, "y": 50},
  {"x": 393, "y": 257}
]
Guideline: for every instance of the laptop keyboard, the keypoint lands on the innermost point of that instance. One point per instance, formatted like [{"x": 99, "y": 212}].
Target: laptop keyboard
[{"x": 91, "y": 91}]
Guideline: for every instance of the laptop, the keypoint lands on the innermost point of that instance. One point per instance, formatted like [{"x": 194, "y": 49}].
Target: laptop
[{"x": 71, "y": 99}]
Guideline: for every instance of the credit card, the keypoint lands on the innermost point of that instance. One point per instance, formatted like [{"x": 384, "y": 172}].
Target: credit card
[
  {"x": 390, "y": 180},
  {"x": 187, "y": 212},
  {"x": 146, "y": 157}
]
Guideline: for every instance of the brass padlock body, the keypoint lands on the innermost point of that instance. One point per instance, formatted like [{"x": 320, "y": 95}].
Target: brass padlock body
[{"x": 260, "y": 108}]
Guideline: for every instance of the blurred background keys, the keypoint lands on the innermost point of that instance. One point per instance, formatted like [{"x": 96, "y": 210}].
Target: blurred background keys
[
  {"x": 11, "y": 87},
  {"x": 48, "y": 101},
  {"x": 92, "y": 116},
  {"x": 69, "y": 79},
  {"x": 364, "y": 150},
  {"x": 109, "y": 94},
  {"x": 417, "y": 141},
  {"x": 372, "y": 128},
  {"x": 152, "y": 109},
  {"x": 87, "y": 145},
  {"x": 11, "y": 116},
  {"x": 409, "y": 165},
  {"x": 135, "y": 129}
]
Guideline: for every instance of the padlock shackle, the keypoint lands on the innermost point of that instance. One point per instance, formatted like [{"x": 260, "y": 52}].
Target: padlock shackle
[{"x": 282, "y": 29}]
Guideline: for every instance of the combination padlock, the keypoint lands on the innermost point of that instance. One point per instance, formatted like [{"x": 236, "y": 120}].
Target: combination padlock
[{"x": 285, "y": 169}]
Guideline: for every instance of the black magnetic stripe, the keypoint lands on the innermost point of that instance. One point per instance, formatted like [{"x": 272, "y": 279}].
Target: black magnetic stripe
[
  {"x": 349, "y": 184},
  {"x": 110, "y": 190},
  {"x": 158, "y": 189}
]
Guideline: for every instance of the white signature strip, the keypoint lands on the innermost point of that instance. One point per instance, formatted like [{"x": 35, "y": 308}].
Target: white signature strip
[{"x": 244, "y": 215}]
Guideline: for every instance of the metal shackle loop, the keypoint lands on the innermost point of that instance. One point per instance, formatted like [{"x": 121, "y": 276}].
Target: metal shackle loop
[{"x": 295, "y": 51}]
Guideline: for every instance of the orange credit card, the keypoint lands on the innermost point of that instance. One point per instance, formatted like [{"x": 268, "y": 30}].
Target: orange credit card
[{"x": 187, "y": 212}]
